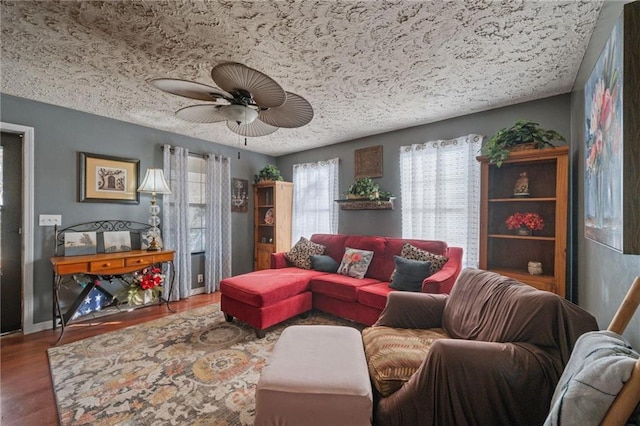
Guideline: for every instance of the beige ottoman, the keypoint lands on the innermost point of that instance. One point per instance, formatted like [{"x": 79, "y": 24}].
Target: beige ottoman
[{"x": 316, "y": 375}]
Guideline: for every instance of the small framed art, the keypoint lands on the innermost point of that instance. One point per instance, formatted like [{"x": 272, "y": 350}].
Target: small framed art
[
  {"x": 106, "y": 179},
  {"x": 79, "y": 243},
  {"x": 116, "y": 241}
]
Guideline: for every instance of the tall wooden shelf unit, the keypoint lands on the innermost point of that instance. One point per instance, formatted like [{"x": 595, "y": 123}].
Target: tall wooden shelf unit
[
  {"x": 508, "y": 254},
  {"x": 273, "y": 237}
]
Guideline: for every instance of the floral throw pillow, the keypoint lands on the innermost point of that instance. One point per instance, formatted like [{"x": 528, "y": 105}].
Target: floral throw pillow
[
  {"x": 414, "y": 253},
  {"x": 355, "y": 262},
  {"x": 300, "y": 254}
]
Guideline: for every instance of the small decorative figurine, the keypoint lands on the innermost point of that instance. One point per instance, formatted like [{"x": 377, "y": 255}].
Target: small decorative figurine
[
  {"x": 534, "y": 267},
  {"x": 521, "y": 188}
]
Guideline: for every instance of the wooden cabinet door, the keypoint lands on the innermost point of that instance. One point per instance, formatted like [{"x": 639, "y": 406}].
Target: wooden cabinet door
[{"x": 263, "y": 257}]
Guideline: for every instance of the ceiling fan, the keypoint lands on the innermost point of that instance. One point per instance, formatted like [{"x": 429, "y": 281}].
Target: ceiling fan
[{"x": 251, "y": 102}]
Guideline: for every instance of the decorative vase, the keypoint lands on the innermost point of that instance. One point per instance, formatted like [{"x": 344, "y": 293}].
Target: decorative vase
[
  {"x": 523, "y": 231},
  {"x": 534, "y": 268},
  {"x": 521, "y": 188}
]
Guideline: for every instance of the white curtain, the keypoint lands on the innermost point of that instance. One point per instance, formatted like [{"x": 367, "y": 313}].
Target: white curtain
[
  {"x": 175, "y": 218},
  {"x": 440, "y": 193},
  {"x": 217, "y": 221},
  {"x": 315, "y": 189}
]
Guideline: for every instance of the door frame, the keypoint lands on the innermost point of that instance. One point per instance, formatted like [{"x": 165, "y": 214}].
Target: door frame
[{"x": 27, "y": 224}]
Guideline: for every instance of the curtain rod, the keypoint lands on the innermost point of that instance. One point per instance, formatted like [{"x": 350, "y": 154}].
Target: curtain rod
[{"x": 196, "y": 154}]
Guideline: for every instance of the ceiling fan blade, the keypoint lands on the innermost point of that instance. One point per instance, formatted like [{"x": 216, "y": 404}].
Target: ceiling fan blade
[
  {"x": 296, "y": 112},
  {"x": 201, "y": 114},
  {"x": 253, "y": 129},
  {"x": 233, "y": 76},
  {"x": 191, "y": 89}
]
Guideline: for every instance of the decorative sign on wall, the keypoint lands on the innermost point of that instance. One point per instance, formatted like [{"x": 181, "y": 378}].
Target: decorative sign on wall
[
  {"x": 239, "y": 195},
  {"x": 368, "y": 162},
  {"x": 611, "y": 151}
]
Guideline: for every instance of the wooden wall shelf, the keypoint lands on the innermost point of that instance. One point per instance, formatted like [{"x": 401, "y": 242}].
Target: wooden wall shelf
[{"x": 365, "y": 204}]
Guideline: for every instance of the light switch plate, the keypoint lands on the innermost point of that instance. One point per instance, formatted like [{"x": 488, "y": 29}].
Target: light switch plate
[{"x": 50, "y": 219}]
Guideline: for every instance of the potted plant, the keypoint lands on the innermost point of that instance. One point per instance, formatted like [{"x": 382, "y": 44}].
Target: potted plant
[
  {"x": 523, "y": 133},
  {"x": 366, "y": 188},
  {"x": 267, "y": 174}
]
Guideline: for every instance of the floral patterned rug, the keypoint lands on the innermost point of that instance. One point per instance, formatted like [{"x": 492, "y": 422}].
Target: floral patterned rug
[{"x": 190, "y": 368}]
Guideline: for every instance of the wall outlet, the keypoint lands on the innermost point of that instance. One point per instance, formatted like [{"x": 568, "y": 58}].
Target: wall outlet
[
  {"x": 50, "y": 219},
  {"x": 200, "y": 278}
]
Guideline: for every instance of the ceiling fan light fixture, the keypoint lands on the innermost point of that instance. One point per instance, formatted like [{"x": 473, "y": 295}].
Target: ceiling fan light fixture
[{"x": 239, "y": 114}]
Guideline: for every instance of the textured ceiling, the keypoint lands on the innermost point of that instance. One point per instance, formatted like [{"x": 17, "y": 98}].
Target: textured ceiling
[{"x": 366, "y": 67}]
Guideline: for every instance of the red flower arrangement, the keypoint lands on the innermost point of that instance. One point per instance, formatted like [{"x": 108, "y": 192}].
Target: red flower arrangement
[
  {"x": 144, "y": 286},
  {"x": 532, "y": 221},
  {"x": 150, "y": 278}
]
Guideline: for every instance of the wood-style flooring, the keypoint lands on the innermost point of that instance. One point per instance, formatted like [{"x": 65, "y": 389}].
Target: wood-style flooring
[{"x": 26, "y": 391}]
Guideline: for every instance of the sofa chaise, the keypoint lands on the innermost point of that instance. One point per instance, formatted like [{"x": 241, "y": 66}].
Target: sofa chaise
[{"x": 267, "y": 297}]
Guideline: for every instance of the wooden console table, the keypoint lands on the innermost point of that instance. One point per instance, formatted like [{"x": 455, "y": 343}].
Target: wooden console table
[{"x": 103, "y": 264}]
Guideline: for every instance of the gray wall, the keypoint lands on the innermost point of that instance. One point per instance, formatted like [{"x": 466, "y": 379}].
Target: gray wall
[
  {"x": 603, "y": 275},
  {"x": 60, "y": 133},
  {"x": 551, "y": 113}
]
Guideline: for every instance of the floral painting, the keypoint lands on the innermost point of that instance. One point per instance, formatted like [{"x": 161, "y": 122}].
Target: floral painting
[{"x": 603, "y": 210}]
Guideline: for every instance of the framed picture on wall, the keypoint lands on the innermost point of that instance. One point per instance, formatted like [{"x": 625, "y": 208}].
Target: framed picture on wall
[
  {"x": 612, "y": 147},
  {"x": 368, "y": 162},
  {"x": 106, "y": 179}
]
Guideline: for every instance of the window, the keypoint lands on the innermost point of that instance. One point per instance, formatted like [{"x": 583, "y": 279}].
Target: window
[
  {"x": 440, "y": 192},
  {"x": 196, "y": 182},
  {"x": 196, "y": 189},
  {"x": 315, "y": 189}
]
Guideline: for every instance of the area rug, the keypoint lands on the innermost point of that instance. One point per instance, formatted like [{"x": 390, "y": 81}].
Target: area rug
[{"x": 190, "y": 368}]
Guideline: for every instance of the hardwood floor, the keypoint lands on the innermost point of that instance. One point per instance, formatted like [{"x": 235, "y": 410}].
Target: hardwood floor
[{"x": 26, "y": 391}]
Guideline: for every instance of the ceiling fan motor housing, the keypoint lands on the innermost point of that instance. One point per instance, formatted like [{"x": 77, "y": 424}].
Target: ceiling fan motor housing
[{"x": 239, "y": 114}]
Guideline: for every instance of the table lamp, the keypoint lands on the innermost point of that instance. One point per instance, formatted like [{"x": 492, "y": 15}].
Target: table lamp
[{"x": 154, "y": 183}]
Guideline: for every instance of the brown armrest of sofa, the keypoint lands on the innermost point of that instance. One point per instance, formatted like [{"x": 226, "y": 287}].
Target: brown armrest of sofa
[
  {"x": 442, "y": 281},
  {"x": 412, "y": 310},
  {"x": 478, "y": 383}
]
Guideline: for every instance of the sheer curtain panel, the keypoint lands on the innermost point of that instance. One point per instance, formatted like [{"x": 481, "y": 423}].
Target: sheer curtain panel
[
  {"x": 175, "y": 218},
  {"x": 217, "y": 221},
  {"x": 315, "y": 189},
  {"x": 440, "y": 193}
]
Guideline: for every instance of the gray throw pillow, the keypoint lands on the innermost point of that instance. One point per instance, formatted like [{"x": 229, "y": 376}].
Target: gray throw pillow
[
  {"x": 410, "y": 274},
  {"x": 324, "y": 263}
]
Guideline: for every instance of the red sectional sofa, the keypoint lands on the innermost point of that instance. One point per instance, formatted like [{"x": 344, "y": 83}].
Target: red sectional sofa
[{"x": 268, "y": 297}]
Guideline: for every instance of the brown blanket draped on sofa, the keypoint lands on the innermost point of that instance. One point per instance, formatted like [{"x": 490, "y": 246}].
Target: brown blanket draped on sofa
[{"x": 508, "y": 346}]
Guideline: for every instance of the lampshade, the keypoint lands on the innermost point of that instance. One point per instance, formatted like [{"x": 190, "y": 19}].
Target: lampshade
[
  {"x": 239, "y": 113},
  {"x": 154, "y": 183}
]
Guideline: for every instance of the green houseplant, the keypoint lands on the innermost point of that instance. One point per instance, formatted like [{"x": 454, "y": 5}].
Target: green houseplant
[
  {"x": 366, "y": 188},
  {"x": 268, "y": 173},
  {"x": 523, "y": 132}
]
